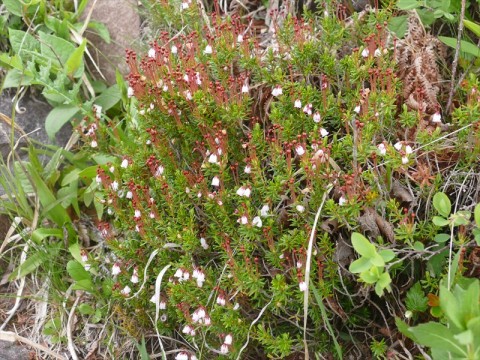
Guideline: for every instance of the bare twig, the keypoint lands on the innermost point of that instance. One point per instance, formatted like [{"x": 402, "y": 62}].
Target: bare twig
[{"x": 455, "y": 59}]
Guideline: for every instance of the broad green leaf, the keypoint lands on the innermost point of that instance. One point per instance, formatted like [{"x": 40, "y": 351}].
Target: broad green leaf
[
  {"x": 451, "y": 307},
  {"x": 8, "y": 61},
  {"x": 71, "y": 176},
  {"x": 58, "y": 117},
  {"x": 371, "y": 276},
  {"x": 363, "y": 246},
  {"x": 387, "y": 255},
  {"x": 56, "y": 49},
  {"x": 461, "y": 218},
  {"x": 22, "y": 41},
  {"x": 403, "y": 327},
  {"x": 383, "y": 283},
  {"x": 408, "y": 4},
  {"x": 16, "y": 78},
  {"x": 85, "y": 284},
  {"x": 75, "y": 61},
  {"x": 360, "y": 265},
  {"x": 109, "y": 97},
  {"x": 77, "y": 271},
  {"x": 418, "y": 246},
  {"x": 442, "y": 204},
  {"x": 477, "y": 215},
  {"x": 466, "y": 47},
  {"x": 474, "y": 326},
  {"x": 377, "y": 260},
  {"x": 465, "y": 337},
  {"x": 41, "y": 233},
  {"x": 14, "y": 7},
  {"x": 74, "y": 250},
  {"x": 441, "y": 238},
  {"x": 88, "y": 173},
  {"x": 440, "y": 221},
  {"x": 86, "y": 309},
  {"x": 473, "y": 27},
  {"x": 437, "y": 336}
]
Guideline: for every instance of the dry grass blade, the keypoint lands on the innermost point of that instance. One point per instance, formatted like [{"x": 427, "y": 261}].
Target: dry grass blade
[{"x": 12, "y": 337}]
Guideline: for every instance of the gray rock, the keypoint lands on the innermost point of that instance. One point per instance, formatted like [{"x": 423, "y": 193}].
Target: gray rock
[
  {"x": 11, "y": 351},
  {"x": 123, "y": 21}
]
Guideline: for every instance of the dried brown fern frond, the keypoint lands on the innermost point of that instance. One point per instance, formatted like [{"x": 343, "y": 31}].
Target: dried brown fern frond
[{"x": 417, "y": 55}]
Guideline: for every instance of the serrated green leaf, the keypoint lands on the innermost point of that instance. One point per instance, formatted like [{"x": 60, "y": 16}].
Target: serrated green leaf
[
  {"x": 398, "y": 25},
  {"x": 363, "y": 246},
  {"x": 416, "y": 300},
  {"x": 21, "y": 41},
  {"x": 86, "y": 309}
]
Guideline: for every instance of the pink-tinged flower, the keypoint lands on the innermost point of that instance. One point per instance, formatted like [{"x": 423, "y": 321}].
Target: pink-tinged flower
[
  {"x": 244, "y": 191},
  {"x": 137, "y": 214},
  {"x": 213, "y": 159},
  {"x": 245, "y": 89},
  {"x": 116, "y": 269},
  {"x": 221, "y": 300},
  {"x": 151, "y": 53},
  {"x": 398, "y": 146},
  {"x": 187, "y": 329},
  {"x": 300, "y": 150},
  {"x": 243, "y": 220},
  {"x": 357, "y": 109},
  {"x": 159, "y": 171},
  {"x": 198, "y": 315},
  {"x": 84, "y": 256},
  {"x": 114, "y": 185},
  {"x": 178, "y": 274},
  {"x": 188, "y": 95},
  {"x": 307, "y": 109},
  {"x": 228, "y": 339},
  {"x": 199, "y": 275},
  {"x": 162, "y": 305},
  {"x": 185, "y": 5},
  {"x": 408, "y": 150},
  {"x": 382, "y": 148},
  {"x": 437, "y": 118},
  {"x": 198, "y": 80},
  {"x": 87, "y": 267},
  {"x": 264, "y": 210},
  {"x": 124, "y": 163},
  {"x": 98, "y": 179},
  {"x": 224, "y": 349},
  {"x": 154, "y": 299},
  {"x": 134, "y": 278},
  {"x": 174, "y": 49},
  {"x": 112, "y": 169},
  {"x": 342, "y": 201},
  {"x": 182, "y": 356},
  {"x": 216, "y": 181},
  {"x": 208, "y": 49},
  {"x": 98, "y": 110},
  {"x": 316, "y": 117},
  {"x": 365, "y": 52},
  {"x": 240, "y": 38},
  {"x": 300, "y": 208},
  {"x": 94, "y": 144},
  {"x": 151, "y": 215},
  {"x": 277, "y": 91},
  {"x": 207, "y": 321},
  {"x": 298, "y": 104},
  {"x": 257, "y": 221},
  {"x": 236, "y": 306},
  {"x": 130, "y": 92},
  {"x": 129, "y": 195},
  {"x": 404, "y": 160},
  {"x": 248, "y": 169},
  {"x": 299, "y": 264},
  {"x": 203, "y": 243},
  {"x": 323, "y": 132},
  {"x": 377, "y": 53},
  {"x": 302, "y": 286},
  {"x": 126, "y": 291}
]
